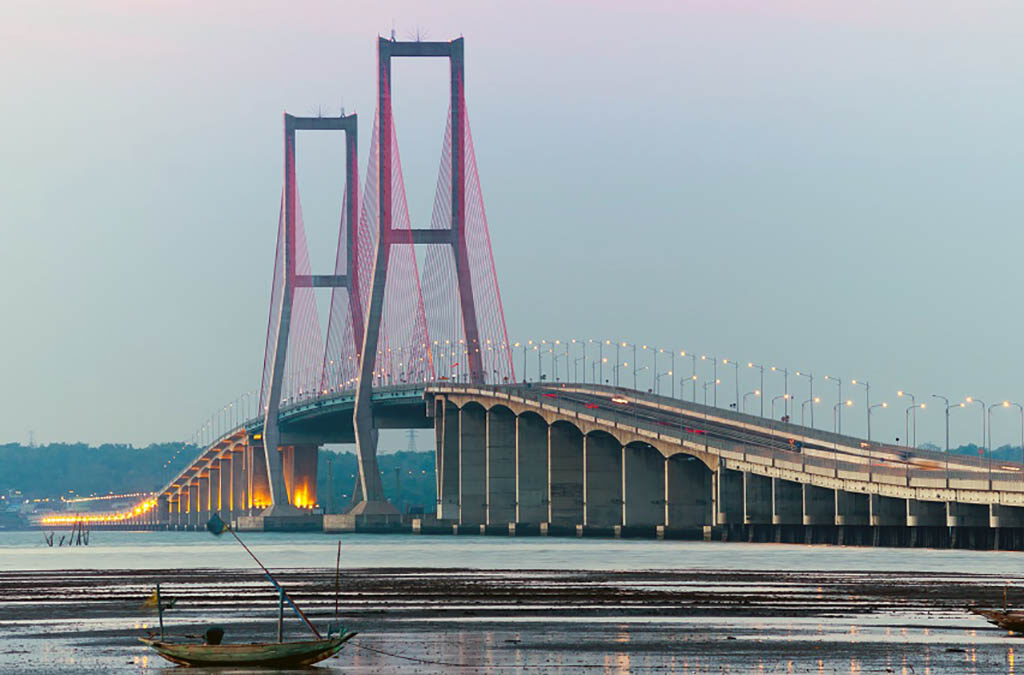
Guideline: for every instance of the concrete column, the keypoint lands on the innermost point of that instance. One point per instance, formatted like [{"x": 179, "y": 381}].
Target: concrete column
[
  {"x": 203, "y": 511},
  {"x": 687, "y": 493},
  {"x": 1006, "y": 516},
  {"x": 224, "y": 487},
  {"x": 299, "y": 463},
  {"x": 501, "y": 466},
  {"x": 259, "y": 482},
  {"x": 193, "y": 503},
  {"x": 819, "y": 505},
  {"x": 926, "y": 514},
  {"x": 565, "y": 475},
  {"x": 852, "y": 508},
  {"x": 757, "y": 499},
  {"x": 531, "y": 469},
  {"x": 602, "y": 481},
  {"x": 214, "y": 488},
  {"x": 787, "y": 502},
  {"x": 472, "y": 465},
  {"x": 643, "y": 486},
  {"x": 239, "y": 494},
  {"x": 163, "y": 510},
  {"x": 730, "y": 497},
  {"x": 446, "y": 430},
  {"x": 175, "y": 506},
  {"x": 960, "y": 514},
  {"x": 887, "y": 511}
]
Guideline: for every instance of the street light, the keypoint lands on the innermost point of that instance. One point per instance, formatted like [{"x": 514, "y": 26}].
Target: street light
[
  {"x": 756, "y": 392},
  {"x": 1021, "y": 408},
  {"x": 784, "y": 397},
  {"x": 906, "y": 424},
  {"x": 1004, "y": 404},
  {"x": 835, "y": 413},
  {"x": 837, "y": 427},
  {"x": 949, "y": 406},
  {"x": 785, "y": 388},
  {"x": 913, "y": 401},
  {"x": 761, "y": 368},
  {"x": 692, "y": 379},
  {"x": 708, "y": 384},
  {"x": 810, "y": 395},
  {"x": 657, "y": 382},
  {"x": 736, "y": 368},
  {"x": 867, "y": 391},
  {"x": 883, "y": 404},
  {"x": 714, "y": 374},
  {"x": 812, "y": 401},
  {"x": 693, "y": 373},
  {"x": 971, "y": 399}
]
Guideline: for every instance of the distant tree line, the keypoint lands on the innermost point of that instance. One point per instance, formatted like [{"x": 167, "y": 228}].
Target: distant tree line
[{"x": 78, "y": 469}]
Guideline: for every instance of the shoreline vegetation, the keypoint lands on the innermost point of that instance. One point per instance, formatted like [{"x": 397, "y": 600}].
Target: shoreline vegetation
[{"x": 72, "y": 470}]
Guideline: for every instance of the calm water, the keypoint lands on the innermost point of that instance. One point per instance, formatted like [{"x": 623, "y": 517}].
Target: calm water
[{"x": 146, "y": 550}]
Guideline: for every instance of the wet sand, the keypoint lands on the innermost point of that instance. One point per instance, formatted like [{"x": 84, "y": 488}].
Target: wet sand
[{"x": 439, "y": 620}]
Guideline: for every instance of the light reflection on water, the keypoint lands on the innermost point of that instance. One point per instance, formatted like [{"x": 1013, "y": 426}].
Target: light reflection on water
[{"x": 149, "y": 550}]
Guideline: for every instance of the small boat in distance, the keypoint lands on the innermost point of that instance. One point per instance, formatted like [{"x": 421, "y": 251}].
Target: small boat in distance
[{"x": 277, "y": 654}]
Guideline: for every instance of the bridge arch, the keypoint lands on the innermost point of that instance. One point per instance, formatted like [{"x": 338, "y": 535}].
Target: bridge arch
[
  {"x": 602, "y": 480},
  {"x": 501, "y": 465},
  {"x": 565, "y": 475},
  {"x": 688, "y": 495},
  {"x": 643, "y": 485},
  {"x": 531, "y": 468},
  {"x": 472, "y": 464}
]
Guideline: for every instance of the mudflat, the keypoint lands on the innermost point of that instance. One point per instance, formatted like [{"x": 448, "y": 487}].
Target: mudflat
[{"x": 434, "y": 620}]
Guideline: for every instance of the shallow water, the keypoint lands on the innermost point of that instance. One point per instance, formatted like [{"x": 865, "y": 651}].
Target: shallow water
[{"x": 151, "y": 550}]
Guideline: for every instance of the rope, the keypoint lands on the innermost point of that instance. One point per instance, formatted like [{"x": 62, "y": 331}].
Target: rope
[{"x": 412, "y": 658}]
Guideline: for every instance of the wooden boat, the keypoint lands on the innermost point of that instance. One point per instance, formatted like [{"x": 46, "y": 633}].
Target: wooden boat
[
  {"x": 1004, "y": 619},
  {"x": 279, "y": 654}
]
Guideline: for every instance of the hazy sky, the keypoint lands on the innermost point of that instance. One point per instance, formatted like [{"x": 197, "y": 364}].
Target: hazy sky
[{"x": 828, "y": 186}]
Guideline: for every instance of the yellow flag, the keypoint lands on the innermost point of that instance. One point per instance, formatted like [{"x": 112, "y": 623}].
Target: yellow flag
[{"x": 150, "y": 601}]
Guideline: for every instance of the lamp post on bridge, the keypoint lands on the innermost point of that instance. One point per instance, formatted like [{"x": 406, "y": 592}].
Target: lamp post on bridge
[
  {"x": 736, "y": 368},
  {"x": 706, "y": 385},
  {"x": 867, "y": 391},
  {"x": 714, "y": 373},
  {"x": 810, "y": 396},
  {"x": 971, "y": 399},
  {"x": 693, "y": 373},
  {"x": 1004, "y": 404},
  {"x": 906, "y": 422},
  {"x": 913, "y": 407},
  {"x": 760, "y": 368},
  {"x": 813, "y": 402},
  {"x": 757, "y": 393},
  {"x": 883, "y": 404},
  {"x": 785, "y": 390},
  {"x": 836, "y": 415},
  {"x": 657, "y": 382},
  {"x": 692, "y": 379},
  {"x": 837, "y": 423},
  {"x": 784, "y": 397}
]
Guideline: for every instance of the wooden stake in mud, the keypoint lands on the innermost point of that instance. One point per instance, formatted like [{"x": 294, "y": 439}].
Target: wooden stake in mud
[{"x": 337, "y": 582}]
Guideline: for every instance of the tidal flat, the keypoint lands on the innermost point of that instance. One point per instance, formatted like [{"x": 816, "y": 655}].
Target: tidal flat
[{"x": 430, "y": 619}]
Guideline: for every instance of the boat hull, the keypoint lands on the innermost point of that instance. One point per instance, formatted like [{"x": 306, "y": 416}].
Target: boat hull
[
  {"x": 1013, "y": 621},
  {"x": 281, "y": 654}
]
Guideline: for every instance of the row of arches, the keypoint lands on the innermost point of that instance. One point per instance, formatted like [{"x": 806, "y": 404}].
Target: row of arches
[{"x": 498, "y": 466}]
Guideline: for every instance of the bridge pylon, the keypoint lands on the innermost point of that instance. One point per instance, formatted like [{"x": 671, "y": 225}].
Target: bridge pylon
[{"x": 289, "y": 278}]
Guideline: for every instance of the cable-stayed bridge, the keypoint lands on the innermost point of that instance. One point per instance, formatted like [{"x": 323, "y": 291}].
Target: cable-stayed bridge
[{"x": 420, "y": 342}]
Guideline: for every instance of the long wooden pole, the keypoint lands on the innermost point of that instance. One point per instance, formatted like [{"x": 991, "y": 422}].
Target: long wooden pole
[
  {"x": 337, "y": 581},
  {"x": 274, "y": 581}
]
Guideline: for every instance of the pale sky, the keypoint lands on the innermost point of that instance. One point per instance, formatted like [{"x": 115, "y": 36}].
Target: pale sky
[{"x": 827, "y": 186}]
